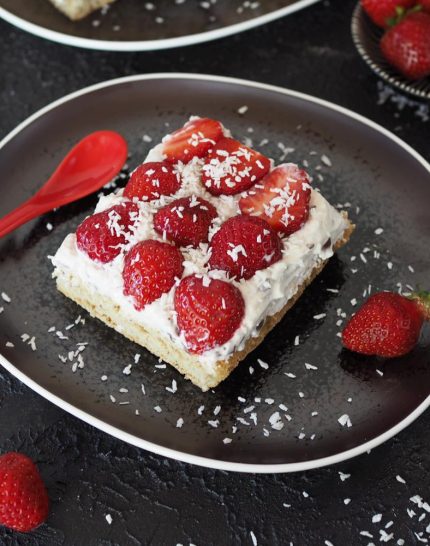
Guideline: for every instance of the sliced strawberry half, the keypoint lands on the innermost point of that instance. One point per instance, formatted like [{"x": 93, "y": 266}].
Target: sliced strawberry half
[
  {"x": 232, "y": 167},
  {"x": 151, "y": 269},
  {"x": 185, "y": 221},
  {"x": 209, "y": 311},
  {"x": 281, "y": 198},
  {"x": 102, "y": 235},
  {"x": 243, "y": 245},
  {"x": 152, "y": 180},
  {"x": 194, "y": 139}
]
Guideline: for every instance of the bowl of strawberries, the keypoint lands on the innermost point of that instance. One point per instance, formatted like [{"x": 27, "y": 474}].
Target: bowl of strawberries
[{"x": 393, "y": 37}]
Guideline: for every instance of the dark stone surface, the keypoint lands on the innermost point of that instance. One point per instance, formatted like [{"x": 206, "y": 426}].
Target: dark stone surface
[{"x": 157, "y": 501}]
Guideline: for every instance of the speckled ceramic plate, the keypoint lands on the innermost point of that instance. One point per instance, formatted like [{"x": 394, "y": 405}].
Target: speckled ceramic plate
[
  {"x": 366, "y": 36},
  {"x": 129, "y": 25},
  {"x": 308, "y": 379}
]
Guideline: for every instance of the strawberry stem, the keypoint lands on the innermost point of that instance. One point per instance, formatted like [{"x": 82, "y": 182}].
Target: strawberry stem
[
  {"x": 422, "y": 298},
  {"x": 401, "y": 13}
]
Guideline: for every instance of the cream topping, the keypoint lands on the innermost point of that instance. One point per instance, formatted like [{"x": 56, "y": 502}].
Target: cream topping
[{"x": 264, "y": 294}]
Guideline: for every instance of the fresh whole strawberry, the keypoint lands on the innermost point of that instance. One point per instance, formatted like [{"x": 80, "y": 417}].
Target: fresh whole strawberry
[
  {"x": 24, "y": 502},
  {"x": 407, "y": 45},
  {"x": 281, "y": 198},
  {"x": 383, "y": 12},
  {"x": 150, "y": 270},
  {"x": 101, "y": 235},
  {"x": 185, "y": 221},
  {"x": 232, "y": 167},
  {"x": 209, "y": 311},
  {"x": 194, "y": 139},
  {"x": 152, "y": 180},
  {"x": 243, "y": 245},
  {"x": 387, "y": 325}
]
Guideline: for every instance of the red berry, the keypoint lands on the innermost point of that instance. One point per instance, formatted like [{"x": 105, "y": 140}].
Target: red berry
[
  {"x": 387, "y": 325},
  {"x": 152, "y": 180},
  {"x": 24, "y": 502},
  {"x": 150, "y": 270},
  {"x": 281, "y": 198},
  {"x": 185, "y": 221},
  {"x": 194, "y": 139},
  {"x": 232, "y": 167},
  {"x": 425, "y": 5},
  {"x": 382, "y": 12},
  {"x": 243, "y": 245},
  {"x": 209, "y": 311},
  {"x": 101, "y": 235},
  {"x": 407, "y": 46}
]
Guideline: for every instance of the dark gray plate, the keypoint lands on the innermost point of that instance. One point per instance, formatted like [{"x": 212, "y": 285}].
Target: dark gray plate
[
  {"x": 129, "y": 26},
  {"x": 366, "y": 36},
  {"x": 387, "y": 185}
]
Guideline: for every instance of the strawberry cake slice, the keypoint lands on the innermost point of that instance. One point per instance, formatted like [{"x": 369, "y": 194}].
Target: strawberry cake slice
[{"x": 203, "y": 252}]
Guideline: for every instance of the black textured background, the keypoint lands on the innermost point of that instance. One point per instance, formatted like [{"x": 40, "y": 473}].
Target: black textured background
[{"x": 161, "y": 502}]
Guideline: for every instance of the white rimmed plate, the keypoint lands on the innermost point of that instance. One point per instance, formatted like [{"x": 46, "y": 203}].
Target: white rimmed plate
[
  {"x": 362, "y": 167},
  {"x": 129, "y": 26}
]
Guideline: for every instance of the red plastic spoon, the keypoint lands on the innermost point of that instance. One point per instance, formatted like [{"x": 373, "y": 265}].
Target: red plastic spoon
[{"x": 89, "y": 165}]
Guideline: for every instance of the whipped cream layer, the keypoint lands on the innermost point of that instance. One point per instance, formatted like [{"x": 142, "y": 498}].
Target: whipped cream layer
[{"x": 264, "y": 294}]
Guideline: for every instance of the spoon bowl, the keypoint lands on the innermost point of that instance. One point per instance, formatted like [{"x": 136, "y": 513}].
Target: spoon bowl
[{"x": 91, "y": 163}]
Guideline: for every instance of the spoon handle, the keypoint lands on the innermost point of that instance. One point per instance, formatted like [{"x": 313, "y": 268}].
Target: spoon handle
[{"x": 22, "y": 214}]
